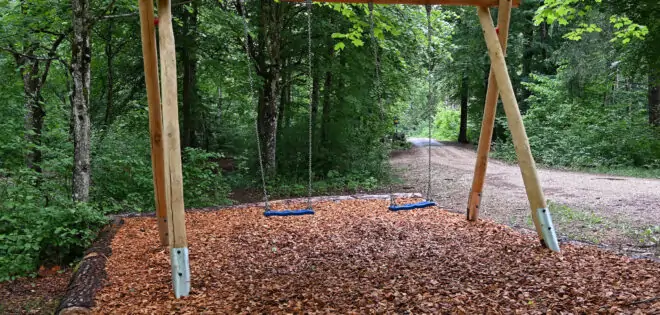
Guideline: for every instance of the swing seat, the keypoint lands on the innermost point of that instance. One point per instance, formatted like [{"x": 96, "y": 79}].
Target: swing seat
[
  {"x": 288, "y": 213},
  {"x": 410, "y": 206}
]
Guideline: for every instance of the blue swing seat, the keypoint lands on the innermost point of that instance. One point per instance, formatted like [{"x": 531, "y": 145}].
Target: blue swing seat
[
  {"x": 287, "y": 213},
  {"x": 410, "y": 206}
]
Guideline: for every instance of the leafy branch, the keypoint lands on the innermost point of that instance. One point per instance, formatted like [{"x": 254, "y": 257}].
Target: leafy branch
[{"x": 567, "y": 12}]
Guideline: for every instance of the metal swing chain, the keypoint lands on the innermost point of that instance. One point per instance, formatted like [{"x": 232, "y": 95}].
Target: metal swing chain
[
  {"x": 379, "y": 98},
  {"x": 430, "y": 96},
  {"x": 252, "y": 92},
  {"x": 311, "y": 96}
]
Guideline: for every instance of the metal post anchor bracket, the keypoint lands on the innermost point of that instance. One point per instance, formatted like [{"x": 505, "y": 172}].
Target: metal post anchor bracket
[
  {"x": 548, "y": 229},
  {"x": 180, "y": 271}
]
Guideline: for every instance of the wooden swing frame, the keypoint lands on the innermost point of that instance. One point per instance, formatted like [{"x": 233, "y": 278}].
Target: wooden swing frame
[{"x": 164, "y": 122}]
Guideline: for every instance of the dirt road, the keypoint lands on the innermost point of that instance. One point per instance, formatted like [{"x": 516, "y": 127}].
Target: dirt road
[{"x": 605, "y": 209}]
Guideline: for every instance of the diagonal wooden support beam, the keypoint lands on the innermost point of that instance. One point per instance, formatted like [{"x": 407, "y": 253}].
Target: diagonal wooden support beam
[
  {"x": 514, "y": 119},
  {"x": 150, "y": 57},
  {"x": 176, "y": 216},
  {"x": 488, "y": 122}
]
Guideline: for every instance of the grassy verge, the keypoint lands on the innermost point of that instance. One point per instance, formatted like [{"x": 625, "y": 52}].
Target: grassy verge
[
  {"x": 647, "y": 236},
  {"x": 637, "y": 172},
  {"x": 579, "y": 224}
]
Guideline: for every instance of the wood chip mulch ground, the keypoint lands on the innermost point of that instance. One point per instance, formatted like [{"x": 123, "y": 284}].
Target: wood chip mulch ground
[
  {"x": 34, "y": 295},
  {"x": 355, "y": 256}
]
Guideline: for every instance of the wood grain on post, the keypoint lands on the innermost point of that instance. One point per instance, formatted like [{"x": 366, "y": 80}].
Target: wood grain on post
[
  {"x": 514, "y": 119},
  {"x": 176, "y": 217},
  {"x": 150, "y": 57},
  {"x": 488, "y": 122}
]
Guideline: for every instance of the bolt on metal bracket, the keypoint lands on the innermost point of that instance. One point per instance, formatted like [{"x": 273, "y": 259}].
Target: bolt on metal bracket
[{"x": 180, "y": 271}]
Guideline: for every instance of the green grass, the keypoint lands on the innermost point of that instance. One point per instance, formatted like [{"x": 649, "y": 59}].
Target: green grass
[
  {"x": 638, "y": 172},
  {"x": 649, "y": 236},
  {"x": 565, "y": 214},
  {"x": 576, "y": 224}
]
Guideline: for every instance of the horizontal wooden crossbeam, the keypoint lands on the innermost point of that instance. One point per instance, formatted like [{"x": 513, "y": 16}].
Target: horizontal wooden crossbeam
[{"x": 480, "y": 3}]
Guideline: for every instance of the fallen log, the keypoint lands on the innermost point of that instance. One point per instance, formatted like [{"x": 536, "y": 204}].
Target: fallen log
[{"x": 90, "y": 274}]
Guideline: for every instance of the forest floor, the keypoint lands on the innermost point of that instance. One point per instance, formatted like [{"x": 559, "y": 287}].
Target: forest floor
[
  {"x": 619, "y": 213},
  {"x": 622, "y": 213},
  {"x": 356, "y": 257},
  {"x": 39, "y": 295}
]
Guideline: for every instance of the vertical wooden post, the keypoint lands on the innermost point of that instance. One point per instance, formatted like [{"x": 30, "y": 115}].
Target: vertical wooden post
[
  {"x": 514, "y": 119},
  {"x": 176, "y": 217},
  {"x": 150, "y": 57},
  {"x": 488, "y": 122}
]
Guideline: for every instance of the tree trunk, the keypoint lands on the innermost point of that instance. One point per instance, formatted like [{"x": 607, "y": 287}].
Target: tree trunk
[
  {"x": 81, "y": 72},
  {"x": 34, "y": 115},
  {"x": 109, "y": 97},
  {"x": 268, "y": 112},
  {"x": 270, "y": 66},
  {"x": 188, "y": 40},
  {"x": 325, "y": 115},
  {"x": 462, "y": 134},
  {"x": 90, "y": 274},
  {"x": 528, "y": 57},
  {"x": 33, "y": 82},
  {"x": 316, "y": 87},
  {"x": 220, "y": 103},
  {"x": 284, "y": 99},
  {"x": 654, "y": 100}
]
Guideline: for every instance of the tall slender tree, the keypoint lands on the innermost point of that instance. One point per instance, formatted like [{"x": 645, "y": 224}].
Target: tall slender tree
[{"x": 81, "y": 51}]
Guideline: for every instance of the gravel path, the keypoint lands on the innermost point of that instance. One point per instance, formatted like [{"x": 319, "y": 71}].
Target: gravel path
[
  {"x": 422, "y": 142},
  {"x": 590, "y": 207}
]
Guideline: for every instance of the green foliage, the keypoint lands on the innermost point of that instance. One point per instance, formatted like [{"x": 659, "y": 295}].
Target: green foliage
[
  {"x": 566, "y": 12},
  {"x": 37, "y": 230},
  {"x": 649, "y": 236},
  {"x": 124, "y": 176},
  {"x": 400, "y": 142},
  {"x": 447, "y": 122},
  {"x": 122, "y": 165},
  {"x": 333, "y": 182},
  {"x": 203, "y": 182},
  {"x": 557, "y": 134},
  {"x": 627, "y": 30}
]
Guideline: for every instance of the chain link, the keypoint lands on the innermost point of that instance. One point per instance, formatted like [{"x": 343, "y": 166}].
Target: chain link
[
  {"x": 311, "y": 100},
  {"x": 252, "y": 99},
  {"x": 429, "y": 78}
]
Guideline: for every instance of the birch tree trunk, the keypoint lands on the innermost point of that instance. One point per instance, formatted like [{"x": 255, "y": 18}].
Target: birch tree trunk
[{"x": 80, "y": 72}]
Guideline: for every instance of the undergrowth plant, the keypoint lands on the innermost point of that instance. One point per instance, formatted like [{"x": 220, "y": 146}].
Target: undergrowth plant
[
  {"x": 579, "y": 132},
  {"x": 37, "y": 229}
]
